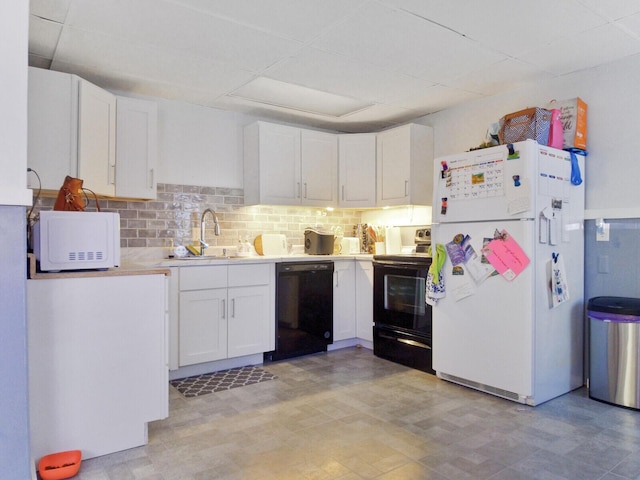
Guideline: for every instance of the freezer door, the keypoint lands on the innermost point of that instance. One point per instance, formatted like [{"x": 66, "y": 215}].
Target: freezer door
[
  {"x": 486, "y": 184},
  {"x": 483, "y": 330}
]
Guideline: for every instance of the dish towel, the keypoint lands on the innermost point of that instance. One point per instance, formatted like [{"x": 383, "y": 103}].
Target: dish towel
[{"x": 435, "y": 279}]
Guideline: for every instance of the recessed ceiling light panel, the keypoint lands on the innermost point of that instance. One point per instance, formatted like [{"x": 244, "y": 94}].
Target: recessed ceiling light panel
[{"x": 295, "y": 97}]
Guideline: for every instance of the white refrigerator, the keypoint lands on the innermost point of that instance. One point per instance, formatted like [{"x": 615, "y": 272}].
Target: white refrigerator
[{"x": 508, "y": 303}]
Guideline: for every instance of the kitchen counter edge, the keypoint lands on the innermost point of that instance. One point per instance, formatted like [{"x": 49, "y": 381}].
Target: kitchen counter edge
[
  {"x": 169, "y": 262},
  {"x": 34, "y": 274}
]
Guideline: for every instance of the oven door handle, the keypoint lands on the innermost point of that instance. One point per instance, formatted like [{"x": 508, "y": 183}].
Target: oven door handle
[{"x": 413, "y": 343}]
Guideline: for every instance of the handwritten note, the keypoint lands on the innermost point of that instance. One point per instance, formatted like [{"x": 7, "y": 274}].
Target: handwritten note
[{"x": 506, "y": 256}]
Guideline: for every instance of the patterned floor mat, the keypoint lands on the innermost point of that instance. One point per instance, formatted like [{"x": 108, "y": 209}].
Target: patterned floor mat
[{"x": 223, "y": 380}]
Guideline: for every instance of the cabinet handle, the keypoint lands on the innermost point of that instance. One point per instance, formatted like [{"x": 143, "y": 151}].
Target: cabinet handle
[
  {"x": 406, "y": 188},
  {"x": 112, "y": 174},
  {"x": 151, "y": 178},
  {"x": 305, "y": 189},
  {"x": 233, "y": 308},
  {"x": 224, "y": 308},
  {"x": 335, "y": 279}
]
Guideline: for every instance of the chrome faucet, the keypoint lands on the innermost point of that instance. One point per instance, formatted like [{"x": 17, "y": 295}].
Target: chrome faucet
[{"x": 216, "y": 228}]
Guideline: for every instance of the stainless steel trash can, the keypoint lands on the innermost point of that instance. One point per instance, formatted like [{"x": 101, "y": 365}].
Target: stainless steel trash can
[{"x": 614, "y": 350}]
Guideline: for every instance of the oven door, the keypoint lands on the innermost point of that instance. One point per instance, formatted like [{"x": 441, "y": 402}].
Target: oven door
[{"x": 399, "y": 297}]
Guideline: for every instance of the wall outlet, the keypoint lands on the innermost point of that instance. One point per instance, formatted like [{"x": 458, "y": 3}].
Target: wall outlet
[
  {"x": 603, "y": 264},
  {"x": 602, "y": 233}
]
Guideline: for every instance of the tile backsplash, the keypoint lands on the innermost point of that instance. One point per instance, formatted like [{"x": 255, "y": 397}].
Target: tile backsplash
[{"x": 174, "y": 217}]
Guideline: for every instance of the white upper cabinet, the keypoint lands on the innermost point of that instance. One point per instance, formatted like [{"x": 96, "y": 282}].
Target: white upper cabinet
[
  {"x": 136, "y": 148},
  {"x": 52, "y": 127},
  {"x": 271, "y": 164},
  {"x": 319, "y": 168},
  {"x": 289, "y": 166},
  {"x": 357, "y": 170},
  {"x": 74, "y": 129},
  {"x": 405, "y": 166},
  {"x": 97, "y": 138}
]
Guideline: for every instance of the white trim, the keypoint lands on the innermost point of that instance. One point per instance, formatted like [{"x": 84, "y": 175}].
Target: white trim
[{"x": 16, "y": 196}]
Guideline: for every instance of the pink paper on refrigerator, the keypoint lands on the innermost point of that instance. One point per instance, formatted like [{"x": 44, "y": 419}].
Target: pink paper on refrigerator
[{"x": 506, "y": 256}]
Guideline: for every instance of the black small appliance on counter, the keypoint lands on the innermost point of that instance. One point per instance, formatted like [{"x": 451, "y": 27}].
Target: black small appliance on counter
[{"x": 318, "y": 241}]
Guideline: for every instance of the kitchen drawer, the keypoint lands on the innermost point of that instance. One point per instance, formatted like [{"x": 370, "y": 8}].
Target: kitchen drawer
[
  {"x": 252, "y": 274},
  {"x": 202, "y": 278}
]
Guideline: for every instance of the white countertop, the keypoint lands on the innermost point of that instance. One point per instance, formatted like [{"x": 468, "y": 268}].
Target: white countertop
[{"x": 213, "y": 260}]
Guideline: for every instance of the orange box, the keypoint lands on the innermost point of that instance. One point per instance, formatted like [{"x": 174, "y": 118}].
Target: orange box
[
  {"x": 59, "y": 466},
  {"x": 573, "y": 115}
]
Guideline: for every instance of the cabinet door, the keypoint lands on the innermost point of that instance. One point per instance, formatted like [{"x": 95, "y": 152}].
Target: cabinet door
[
  {"x": 393, "y": 166},
  {"x": 279, "y": 164},
  {"x": 357, "y": 170},
  {"x": 364, "y": 300},
  {"x": 203, "y": 326},
  {"x": 97, "y": 138},
  {"x": 319, "y": 168},
  {"x": 136, "y": 148},
  {"x": 344, "y": 295},
  {"x": 248, "y": 325},
  {"x": 52, "y": 127}
]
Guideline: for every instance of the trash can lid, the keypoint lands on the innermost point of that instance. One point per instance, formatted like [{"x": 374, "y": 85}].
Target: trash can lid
[{"x": 615, "y": 305}]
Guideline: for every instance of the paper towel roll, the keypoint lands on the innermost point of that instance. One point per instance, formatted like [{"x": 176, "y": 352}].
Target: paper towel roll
[{"x": 393, "y": 240}]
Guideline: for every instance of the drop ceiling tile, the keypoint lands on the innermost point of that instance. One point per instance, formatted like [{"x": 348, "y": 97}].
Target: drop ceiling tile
[
  {"x": 585, "y": 50},
  {"x": 500, "y": 77},
  {"x": 613, "y": 9},
  {"x": 504, "y": 26},
  {"x": 43, "y": 36},
  {"x": 55, "y": 10},
  {"x": 405, "y": 43},
  {"x": 380, "y": 112},
  {"x": 295, "y": 19},
  {"x": 147, "y": 87},
  {"x": 340, "y": 75},
  {"x": 169, "y": 26},
  {"x": 438, "y": 97},
  {"x": 630, "y": 25},
  {"x": 107, "y": 54}
]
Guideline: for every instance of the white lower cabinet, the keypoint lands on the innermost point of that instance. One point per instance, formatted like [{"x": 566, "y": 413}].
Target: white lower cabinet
[
  {"x": 344, "y": 293},
  {"x": 203, "y": 326},
  {"x": 97, "y": 362},
  {"x": 248, "y": 322},
  {"x": 364, "y": 300},
  {"x": 225, "y": 312}
]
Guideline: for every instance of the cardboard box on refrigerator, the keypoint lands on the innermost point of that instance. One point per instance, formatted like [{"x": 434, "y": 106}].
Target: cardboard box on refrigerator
[{"x": 574, "y": 122}]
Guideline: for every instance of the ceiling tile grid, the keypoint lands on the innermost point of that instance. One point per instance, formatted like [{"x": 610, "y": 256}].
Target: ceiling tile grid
[{"x": 403, "y": 58}]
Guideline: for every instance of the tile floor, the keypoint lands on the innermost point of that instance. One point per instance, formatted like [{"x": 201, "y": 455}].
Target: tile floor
[{"x": 349, "y": 415}]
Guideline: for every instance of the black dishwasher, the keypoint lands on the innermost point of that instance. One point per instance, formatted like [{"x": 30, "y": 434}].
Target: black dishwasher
[{"x": 304, "y": 309}]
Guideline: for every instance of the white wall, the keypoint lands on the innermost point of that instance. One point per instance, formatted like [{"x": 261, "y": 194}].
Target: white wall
[
  {"x": 612, "y": 93},
  {"x": 13, "y": 98},
  {"x": 199, "y": 145}
]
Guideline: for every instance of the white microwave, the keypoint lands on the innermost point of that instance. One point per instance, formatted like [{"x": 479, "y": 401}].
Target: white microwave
[{"x": 77, "y": 240}]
